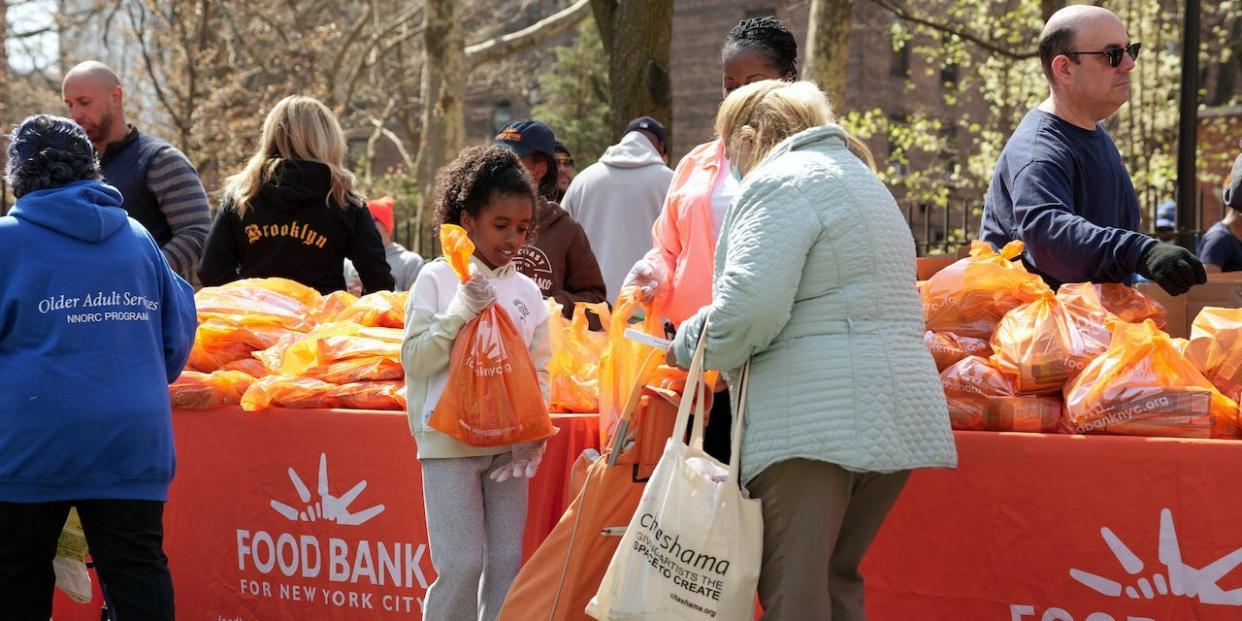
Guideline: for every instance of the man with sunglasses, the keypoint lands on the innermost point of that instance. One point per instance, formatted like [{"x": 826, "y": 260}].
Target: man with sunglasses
[{"x": 1060, "y": 185}]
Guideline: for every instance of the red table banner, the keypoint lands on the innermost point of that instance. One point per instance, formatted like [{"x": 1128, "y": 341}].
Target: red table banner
[
  {"x": 313, "y": 514},
  {"x": 1065, "y": 528}
]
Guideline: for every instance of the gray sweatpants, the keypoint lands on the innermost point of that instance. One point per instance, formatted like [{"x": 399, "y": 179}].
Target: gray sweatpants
[{"x": 475, "y": 527}]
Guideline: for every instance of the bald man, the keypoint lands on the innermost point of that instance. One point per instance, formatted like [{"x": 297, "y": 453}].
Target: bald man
[
  {"x": 1060, "y": 186},
  {"x": 160, "y": 186}
]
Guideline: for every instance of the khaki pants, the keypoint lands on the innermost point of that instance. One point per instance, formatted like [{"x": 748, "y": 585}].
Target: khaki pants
[{"x": 818, "y": 521}]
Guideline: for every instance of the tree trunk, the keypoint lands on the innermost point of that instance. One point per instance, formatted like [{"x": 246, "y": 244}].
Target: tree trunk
[
  {"x": 447, "y": 67},
  {"x": 444, "y": 88},
  {"x": 828, "y": 47},
  {"x": 636, "y": 37}
]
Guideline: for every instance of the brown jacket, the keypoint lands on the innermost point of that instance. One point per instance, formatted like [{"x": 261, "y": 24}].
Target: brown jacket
[{"x": 559, "y": 259}]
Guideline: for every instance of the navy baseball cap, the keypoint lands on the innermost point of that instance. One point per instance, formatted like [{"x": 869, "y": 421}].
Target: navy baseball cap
[
  {"x": 1166, "y": 214},
  {"x": 649, "y": 124},
  {"x": 527, "y": 137}
]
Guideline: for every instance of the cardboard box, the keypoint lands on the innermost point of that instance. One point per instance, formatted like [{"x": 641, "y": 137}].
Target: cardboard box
[{"x": 1221, "y": 290}]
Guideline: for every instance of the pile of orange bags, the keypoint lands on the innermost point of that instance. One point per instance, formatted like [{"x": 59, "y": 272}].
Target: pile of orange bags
[
  {"x": 284, "y": 332},
  {"x": 1143, "y": 386},
  {"x": 573, "y": 371},
  {"x": 983, "y": 398},
  {"x": 969, "y": 297}
]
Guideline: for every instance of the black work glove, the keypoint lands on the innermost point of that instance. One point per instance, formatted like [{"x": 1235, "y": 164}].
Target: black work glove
[{"x": 1174, "y": 268}]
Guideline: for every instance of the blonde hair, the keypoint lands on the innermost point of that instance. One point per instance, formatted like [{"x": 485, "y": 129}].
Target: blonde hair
[
  {"x": 297, "y": 128},
  {"x": 765, "y": 113}
]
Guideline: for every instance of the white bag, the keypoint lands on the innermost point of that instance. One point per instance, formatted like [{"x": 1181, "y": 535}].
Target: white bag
[
  {"x": 693, "y": 549},
  {"x": 72, "y": 576}
]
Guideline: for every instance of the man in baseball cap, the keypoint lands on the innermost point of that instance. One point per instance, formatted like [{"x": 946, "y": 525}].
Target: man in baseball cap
[
  {"x": 1221, "y": 249},
  {"x": 557, "y": 255},
  {"x": 403, "y": 263}
]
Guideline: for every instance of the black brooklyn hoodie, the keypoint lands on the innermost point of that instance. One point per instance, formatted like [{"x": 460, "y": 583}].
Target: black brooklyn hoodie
[{"x": 294, "y": 230}]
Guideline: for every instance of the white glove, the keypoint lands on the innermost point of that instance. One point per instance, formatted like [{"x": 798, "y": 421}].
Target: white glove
[
  {"x": 646, "y": 277},
  {"x": 473, "y": 296},
  {"x": 526, "y": 459}
]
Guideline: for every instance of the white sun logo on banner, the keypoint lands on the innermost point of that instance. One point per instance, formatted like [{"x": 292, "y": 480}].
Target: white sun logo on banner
[
  {"x": 329, "y": 507},
  {"x": 1182, "y": 580}
]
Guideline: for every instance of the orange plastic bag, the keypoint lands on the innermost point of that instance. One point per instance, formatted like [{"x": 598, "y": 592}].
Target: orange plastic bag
[
  {"x": 492, "y": 397},
  {"x": 982, "y": 398},
  {"x": 1126, "y": 303},
  {"x": 291, "y": 288},
  {"x": 253, "y": 306},
  {"x": 219, "y": 342},
  {"x": 1216, "y": 348},
  {"x": 357, "y": 370},
  {"x": 1143, "y": 386},
  {"x": 250, "y": 366},
  {"x": 573, "y": 372},
  {"x": 383, "y": 309},
  {"x": 970, "y": 297},
  {"x": 626, "y": 363},
  {"x": 196, "y": 391},
  {"x": 336, "y": 341},
  {"x": 948, "y": 349},
  {"x": 308, "y": 392},
  {"x": 1041, "y": 346},
  {"x": 333, "y": 305}
]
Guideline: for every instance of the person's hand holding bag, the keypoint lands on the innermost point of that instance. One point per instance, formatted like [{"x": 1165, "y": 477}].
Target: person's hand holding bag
[
  {"x": 472, "y": 297},
  {"x": 646, "y": 276}
]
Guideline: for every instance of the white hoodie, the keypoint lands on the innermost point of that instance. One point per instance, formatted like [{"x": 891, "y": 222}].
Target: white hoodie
[{"x": 617, "y": 200}]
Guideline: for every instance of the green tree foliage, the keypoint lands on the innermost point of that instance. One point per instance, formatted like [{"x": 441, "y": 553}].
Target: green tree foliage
[
  {"x": 576, "y": 96},
  {"x": 987, "y": 47}
]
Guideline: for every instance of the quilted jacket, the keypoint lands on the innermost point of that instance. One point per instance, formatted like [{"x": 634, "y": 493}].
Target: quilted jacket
[{"x": 815, "y": 284}]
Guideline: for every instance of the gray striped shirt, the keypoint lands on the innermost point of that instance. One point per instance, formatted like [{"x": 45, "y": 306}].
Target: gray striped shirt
[{"x": 183, "y": 202}]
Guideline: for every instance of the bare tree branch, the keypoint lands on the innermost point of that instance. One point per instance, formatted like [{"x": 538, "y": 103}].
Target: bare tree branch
[
  {"x": 531, "y": 36},
  {"x": 955, "y": 30}
]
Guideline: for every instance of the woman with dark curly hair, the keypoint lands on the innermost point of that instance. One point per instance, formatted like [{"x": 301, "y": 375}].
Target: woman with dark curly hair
[
  {"x": 475, "y": 497},
  {"x": 676, "y": 274},
  {"x": 94, "y": 324}
]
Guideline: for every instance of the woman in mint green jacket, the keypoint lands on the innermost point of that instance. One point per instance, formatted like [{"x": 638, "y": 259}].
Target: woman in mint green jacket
[{"x": 815, "y": 286}]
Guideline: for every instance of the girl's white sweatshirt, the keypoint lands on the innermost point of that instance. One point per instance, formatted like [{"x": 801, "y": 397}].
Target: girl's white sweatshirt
[{"x": 432, "y": 322}]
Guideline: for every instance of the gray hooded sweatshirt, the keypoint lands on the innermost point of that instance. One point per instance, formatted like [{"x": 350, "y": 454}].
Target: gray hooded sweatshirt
[{"x": 617, "y": 200}]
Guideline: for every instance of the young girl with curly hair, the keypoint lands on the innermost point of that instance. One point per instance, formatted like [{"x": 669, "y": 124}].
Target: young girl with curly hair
[{"x": 474, "y": 497}]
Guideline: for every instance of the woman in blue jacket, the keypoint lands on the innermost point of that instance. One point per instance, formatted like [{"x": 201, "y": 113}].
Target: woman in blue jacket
[
  {"x": 814, "y": 285},
  {"x": 93, "y": 326}
]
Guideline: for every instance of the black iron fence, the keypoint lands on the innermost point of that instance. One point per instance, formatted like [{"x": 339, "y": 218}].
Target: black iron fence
[{"x": 943, "y": 229}]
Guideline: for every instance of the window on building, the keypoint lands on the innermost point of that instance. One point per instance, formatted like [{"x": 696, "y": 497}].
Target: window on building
[
  {"x": 502, "y": 114},
  {"x": 948, "y": 75},
  {"x": 901, "y": 62}
]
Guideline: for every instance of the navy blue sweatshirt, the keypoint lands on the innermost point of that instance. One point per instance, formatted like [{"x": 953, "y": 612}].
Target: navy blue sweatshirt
[
  {"x": 93, "y": 326},
  {"x": 1064, "y": 192}
]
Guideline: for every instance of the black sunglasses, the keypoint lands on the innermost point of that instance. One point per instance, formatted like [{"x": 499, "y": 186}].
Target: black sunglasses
[{"x": 1114, "y": 55}]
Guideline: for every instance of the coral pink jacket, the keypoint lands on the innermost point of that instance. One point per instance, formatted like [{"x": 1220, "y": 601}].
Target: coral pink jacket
[{"x": 684, "y": 245}]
